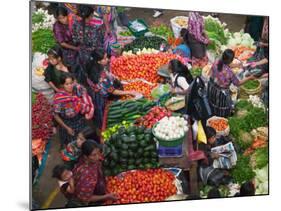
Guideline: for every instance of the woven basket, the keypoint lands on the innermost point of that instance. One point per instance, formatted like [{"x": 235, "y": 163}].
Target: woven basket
[
  {"x": 219, "y": 133},
  {"x": 256, "y": 91}
]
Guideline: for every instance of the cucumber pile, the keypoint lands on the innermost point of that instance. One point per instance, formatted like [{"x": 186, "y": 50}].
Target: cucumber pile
[
  {"x": 145, "y": 42},
  {"x": 131, "y": 148},
  {"x": 127, "y": 111}
]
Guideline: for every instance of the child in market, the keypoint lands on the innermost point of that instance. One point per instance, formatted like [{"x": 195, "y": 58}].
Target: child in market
[
  {"x": 212, "y": 141},
  {"x": 65, "y": 181},
  {"x": 72, "y": 152},
  {"x": 55, "y": 68}
]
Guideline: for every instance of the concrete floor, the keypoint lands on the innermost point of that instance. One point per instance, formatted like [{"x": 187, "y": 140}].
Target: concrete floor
[{"x": 47, "y": 185}]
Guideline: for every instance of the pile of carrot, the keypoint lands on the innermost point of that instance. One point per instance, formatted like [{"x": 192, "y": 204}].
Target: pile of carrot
[
  {"x": 257, "y": 143},
  {"x": 219, "y": 124},
  {"x": 243, "y": 53}
]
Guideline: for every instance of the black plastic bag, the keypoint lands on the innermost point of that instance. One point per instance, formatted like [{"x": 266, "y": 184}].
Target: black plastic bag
[{"x": 197, "y": 102}]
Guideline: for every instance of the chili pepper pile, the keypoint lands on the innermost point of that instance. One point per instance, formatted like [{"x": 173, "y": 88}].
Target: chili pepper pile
[
  {"x": 142, "y": 186},
  {"x": 41, "y": 118}
]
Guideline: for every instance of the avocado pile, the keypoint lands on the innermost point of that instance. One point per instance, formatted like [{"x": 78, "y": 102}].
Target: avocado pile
[{"x": 131, "y": 148}]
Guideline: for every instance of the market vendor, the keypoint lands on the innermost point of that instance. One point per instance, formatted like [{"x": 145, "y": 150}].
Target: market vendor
[
  {"x": 89, "y": 180},
  {"x": 68, "y": 107},
  {"x": 221, "y": 78},
  {"x": 87, "y": 32},
  {"x": 63, "y": 36},
  {"x": 103, "y": 84},
  {"x": 181, "y": 77},
  {"x": 212, "y": 141},
  {"x": 183, "y": 48},
  {"x": 196, "y": 37},
  {"x": 55, "y": 68}
]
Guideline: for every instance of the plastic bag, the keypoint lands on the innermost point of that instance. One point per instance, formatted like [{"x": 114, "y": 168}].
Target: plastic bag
[
  {"x": 195, "y": 129},
  {"x": 201, "y": 136}
]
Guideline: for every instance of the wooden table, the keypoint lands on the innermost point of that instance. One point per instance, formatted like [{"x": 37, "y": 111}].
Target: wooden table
[{"x": 189, "y": 167}]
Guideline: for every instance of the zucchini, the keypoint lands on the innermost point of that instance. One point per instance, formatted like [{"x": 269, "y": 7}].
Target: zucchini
[
  {"x": 124, "y": 154},
  {"x": 143, "y": 143},
  {"x": 150, "y": 147},
  {"x": 146, "y": 154},
  {"x": 131, "y": 154},
  {"x": 133, "y": 146},
  {"x": 131, "y": 162},
  {"x": 125, "y": 146}
]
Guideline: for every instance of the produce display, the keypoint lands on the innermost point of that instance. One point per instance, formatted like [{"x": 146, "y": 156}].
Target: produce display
[
  {"x": 41, "y": 118},
  {"x": 160, "y": 90},
  {"x": 43, "y": 40},
  {"x": 153, "y": 116},
  {"x": 243, "y": 53},
  {"x": 142, "y": 186},
  {"x": 240, "y": 39},
  {"x": 139, "y": 52},
  {"x": 130, "y": 148},
  {"x": 216, "y": 32},
  {"x": 141, "y": 87},
  {"x": 126, "y": 33},
  {"x": 219, "y": 124},
  {"x": 110, "y": 131},
  {"x": 256, "y": 101},
  {"x": 145, "y": 42},
  {"x": 243, "y": 171},
  {"x": 259, "y": 158},
  {"x": 161, "y": 30},
  {"x": 182, "y": 22},
  {"x": 196, "y": 71},
  {"x": 170, "y": 128},
  {"x": 257, "y": 143},
  {"x": 174, "y": 42},
  {"x": 261, "y": 180},
  {"x": 143, "y": 66},
  {"x": 253, "y": 118},
  {"x": 128, "y": 111},
  {"x": 42, "y": 20},
  {"x": 252, "y": 84}
]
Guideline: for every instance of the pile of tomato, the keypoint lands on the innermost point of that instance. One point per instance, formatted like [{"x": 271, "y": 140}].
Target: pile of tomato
[
  {"x": 154, "y": 115},
  {"x": 141, "y": 87},
  {"x": 142, "y": 186},
  {"x": 143, "y": 66}
]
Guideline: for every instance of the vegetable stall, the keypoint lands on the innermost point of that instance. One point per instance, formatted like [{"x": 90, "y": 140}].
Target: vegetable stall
[{"x": 142, "y": 138}]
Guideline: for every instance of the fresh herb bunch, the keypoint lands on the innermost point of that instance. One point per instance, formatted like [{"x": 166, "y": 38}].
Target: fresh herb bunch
[
  {"x": 38, "y": 18},
  {"x": 42, "y": 40},
  {"x": 242, "y": 172},
  {"x": 261, "y": 157}
]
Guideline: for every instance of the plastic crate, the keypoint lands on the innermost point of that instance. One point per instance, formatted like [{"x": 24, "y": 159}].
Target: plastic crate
[
  {"x": 170, "y": 151},
  {"x": 139, "y": 33}
]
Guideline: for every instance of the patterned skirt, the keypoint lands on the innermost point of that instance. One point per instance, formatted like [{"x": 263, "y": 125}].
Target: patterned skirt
[
  {"x": 77, "y": 123},
  {"x": 220, "y": 100}
]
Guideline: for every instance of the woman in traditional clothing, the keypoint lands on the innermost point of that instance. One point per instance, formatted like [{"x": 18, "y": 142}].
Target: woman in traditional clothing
[
  {"x": 63, "y": 36},
  {"x": 102, "y": 83},
  {"x": 88, "y": 32},
  {"x": 197, "y": 38},
  {"x": 221, "y": 78},
  {"x": 71, "y": 106},
  {"x": 89, "y": 180}
]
